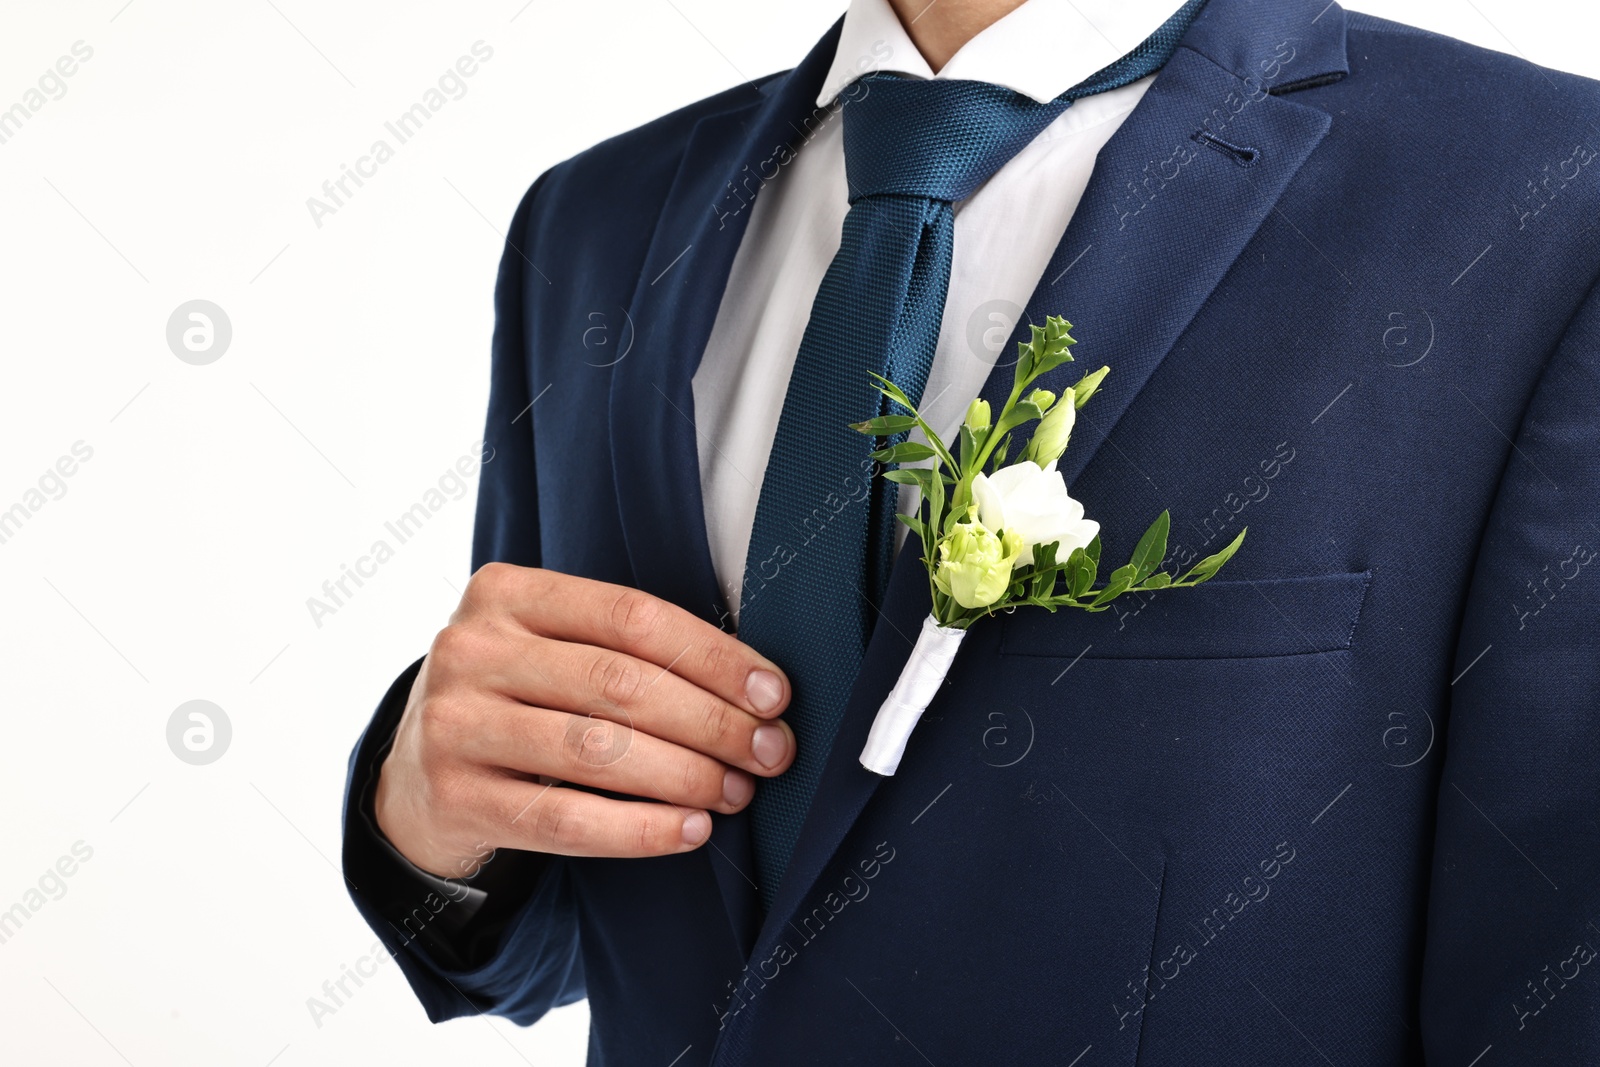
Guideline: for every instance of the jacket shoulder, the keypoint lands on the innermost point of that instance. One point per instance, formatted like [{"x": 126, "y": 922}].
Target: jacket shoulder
[
  {"x": 636, "y": 168},
  {"x": 1470, "y": 70},
  {"x": 1494, "y": 135}
]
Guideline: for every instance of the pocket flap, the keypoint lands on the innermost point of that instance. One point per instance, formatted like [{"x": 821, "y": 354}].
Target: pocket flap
[{"x": 1215, "y": 620}]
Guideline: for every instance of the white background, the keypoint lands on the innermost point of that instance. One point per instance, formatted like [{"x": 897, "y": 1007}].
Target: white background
[{"x": 178, "y": 563}]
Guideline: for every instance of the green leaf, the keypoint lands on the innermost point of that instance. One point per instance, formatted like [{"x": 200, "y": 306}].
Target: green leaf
[
  {"x": 1209, "y": 566},
  {"x": 904, "y": 452},
  {"x": 1014, "y": 416},
  {"x": 916, "y": 526},
  {"x": 893, "y": 392},
  {"x": 885, "y": 425},
  {"x": 957, "y": 513},
  {"x": 969, "y": 446},
  {"x": 1044, "y": 569},
  {"x": 933, "y": 493},
  {"x": 1126, "y": 571},
  {"x": 1093, "y": 551},
  {"x": 1088, "y": 384},
  {"x": 1000, "y": 451},
  {"x": 1158, "y": 580},
  {"x": 1121, "y": 579},
  {"x": 1026, "y": 411},
  {"x": 1152, "y": 548},
  {"x": 917, "y": 476},
  {"x": 1080, "y": 572}
]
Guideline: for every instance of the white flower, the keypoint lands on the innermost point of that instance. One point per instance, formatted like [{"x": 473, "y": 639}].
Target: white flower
[{"x": 1032, "y": 502}]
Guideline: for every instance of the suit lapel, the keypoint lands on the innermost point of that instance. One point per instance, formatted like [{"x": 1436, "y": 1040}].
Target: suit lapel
[
  {"x": 1163, "y": 218},
  {"x": 1166, "y": 214},
  {"x": 654, "y": 449}
]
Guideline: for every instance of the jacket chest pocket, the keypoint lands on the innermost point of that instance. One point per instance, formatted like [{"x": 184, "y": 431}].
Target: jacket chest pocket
[{"x": 1217, "y": 620}]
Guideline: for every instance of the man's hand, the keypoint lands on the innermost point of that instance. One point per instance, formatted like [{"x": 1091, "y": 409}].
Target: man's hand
[{"x": 542, "y": 678}]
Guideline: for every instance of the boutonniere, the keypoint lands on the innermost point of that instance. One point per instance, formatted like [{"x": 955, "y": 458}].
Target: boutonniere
[{"x": 999, "y": 533}]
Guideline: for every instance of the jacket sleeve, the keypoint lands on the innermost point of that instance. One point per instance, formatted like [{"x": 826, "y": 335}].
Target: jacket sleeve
[
  {"x": 505, "y": 941},
  {"x": 1513, "y": 928}
]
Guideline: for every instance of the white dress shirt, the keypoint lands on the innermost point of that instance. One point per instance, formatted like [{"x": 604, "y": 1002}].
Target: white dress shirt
[{"x": 1005, "y": 234}]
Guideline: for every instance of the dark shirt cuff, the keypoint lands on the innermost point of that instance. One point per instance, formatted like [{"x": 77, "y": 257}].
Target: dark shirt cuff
[{"x": 458, "y": 923}]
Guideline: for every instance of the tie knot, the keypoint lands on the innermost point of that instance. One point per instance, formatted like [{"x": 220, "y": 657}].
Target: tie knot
[
  {"x": 935, "y": 138},
  {"x": 941, "y": 138}
]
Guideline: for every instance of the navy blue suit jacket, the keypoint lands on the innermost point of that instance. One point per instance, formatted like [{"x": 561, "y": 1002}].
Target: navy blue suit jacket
[{"x": 1337, "y": 806}]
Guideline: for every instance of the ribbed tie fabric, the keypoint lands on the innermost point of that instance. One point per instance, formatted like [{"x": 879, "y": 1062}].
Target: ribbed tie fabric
[{"x": 823, "y": 538}]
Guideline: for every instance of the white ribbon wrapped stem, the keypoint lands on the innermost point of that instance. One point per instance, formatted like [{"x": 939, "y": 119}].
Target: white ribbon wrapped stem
[{"x": 918, "y": 684}]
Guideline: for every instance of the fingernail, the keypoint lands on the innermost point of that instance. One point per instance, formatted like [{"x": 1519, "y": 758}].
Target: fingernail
[
  {"x": 769, "y": 745},
  {"x": 764, "y": 690},
  {"x": 737, "y": 787},
  {"x": 696, "y": 827}
]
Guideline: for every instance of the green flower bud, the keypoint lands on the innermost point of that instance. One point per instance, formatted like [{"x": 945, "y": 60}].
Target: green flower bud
[
  {"x": 1050, "y": 439},
  {"x": 978, "y": 416},
  {"x": 1086, "y": 388},
  {"x": 975, "y": 564},
  {"x": 1043, "y": 398}
]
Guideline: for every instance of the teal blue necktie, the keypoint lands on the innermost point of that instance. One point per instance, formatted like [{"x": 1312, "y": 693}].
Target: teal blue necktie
[{"x": 823, "y": 538}]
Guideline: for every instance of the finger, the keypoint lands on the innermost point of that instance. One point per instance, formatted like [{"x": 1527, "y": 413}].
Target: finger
[
  {"x": 571, "y": 822},
  {"x": 646, "y": 627},
  {"x": 608, "y": 755},
  {"x": 593, "y": 681}
]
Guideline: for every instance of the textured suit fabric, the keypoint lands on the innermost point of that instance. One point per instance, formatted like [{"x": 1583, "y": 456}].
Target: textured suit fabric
[{"x": 1337, "y": 806}]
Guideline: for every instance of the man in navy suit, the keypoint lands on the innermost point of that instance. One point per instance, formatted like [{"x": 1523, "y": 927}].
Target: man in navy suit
[{"x": 1335, "y": 806}]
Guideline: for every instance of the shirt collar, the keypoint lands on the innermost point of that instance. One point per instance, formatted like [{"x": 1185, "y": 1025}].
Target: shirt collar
[{"x": 1041, "y": 49}]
